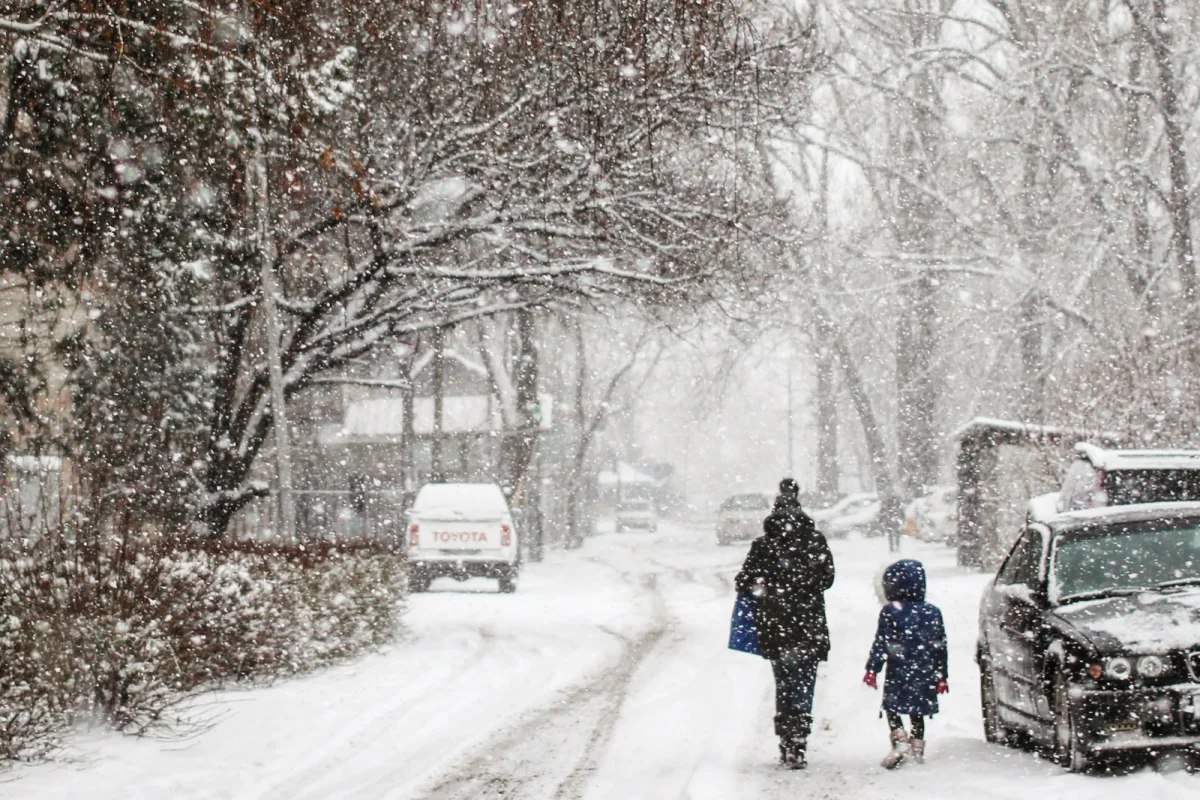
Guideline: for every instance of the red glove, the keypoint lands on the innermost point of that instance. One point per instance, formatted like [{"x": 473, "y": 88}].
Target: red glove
[
  {"x": 869, "y": 680},
  {"x": 943, "y": 687}
]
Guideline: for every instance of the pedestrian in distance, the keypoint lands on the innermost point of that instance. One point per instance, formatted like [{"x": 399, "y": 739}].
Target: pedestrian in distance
[
  {"x": 891, "y": 519},
  {"x": 788, "y": 570},
  {"x": 911, "y": 641}
]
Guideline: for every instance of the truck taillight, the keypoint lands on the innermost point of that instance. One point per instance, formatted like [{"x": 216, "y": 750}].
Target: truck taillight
[
  {"x": 505, "y": 535},
  {"x": 413, "y": 539}
]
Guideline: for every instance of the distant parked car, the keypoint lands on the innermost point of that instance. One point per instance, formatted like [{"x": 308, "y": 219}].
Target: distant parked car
[
  {"x": 1109, "y": 477},
  {"x": 462, "y": 530},
  {"x": 1089, "y": 635},
  {"x": 741, "y": 516},
  {"x": 853, "y": 512},
  {"x": 933, "y": 516},
  {"x": 636, "y": 514}
]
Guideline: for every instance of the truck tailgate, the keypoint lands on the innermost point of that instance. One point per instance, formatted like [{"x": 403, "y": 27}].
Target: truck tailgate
[{"x": 459, "y": 534}]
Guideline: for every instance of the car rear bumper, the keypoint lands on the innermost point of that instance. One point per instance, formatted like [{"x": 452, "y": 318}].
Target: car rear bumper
[
  {"x": 461, "y": 569},
  {"x": 1165, "y": 717},
  {"x": 738, "y": 531}
]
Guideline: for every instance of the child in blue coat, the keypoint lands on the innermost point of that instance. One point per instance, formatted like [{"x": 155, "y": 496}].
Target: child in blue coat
[{"x": 911, "y": 639}]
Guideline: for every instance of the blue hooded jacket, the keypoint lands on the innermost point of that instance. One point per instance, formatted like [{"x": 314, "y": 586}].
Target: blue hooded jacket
[{"x": 911, "y": 640}]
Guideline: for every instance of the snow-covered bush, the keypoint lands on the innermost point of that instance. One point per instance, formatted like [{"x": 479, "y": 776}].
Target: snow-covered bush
[{"x": 121, "y": 632}]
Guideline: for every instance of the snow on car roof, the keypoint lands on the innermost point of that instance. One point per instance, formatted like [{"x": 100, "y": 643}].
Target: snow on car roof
[
  {"x": 1043, "y": 506},
  {"x": 463, "y": 498},
  {"x": 1141, "y": 512},
  {"x": 1109, "y": 460}
]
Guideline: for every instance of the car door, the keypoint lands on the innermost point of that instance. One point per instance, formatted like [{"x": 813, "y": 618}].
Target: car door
[
  {"x": 1015, "y": 617},
  {"x": 1020, "y": 621}
]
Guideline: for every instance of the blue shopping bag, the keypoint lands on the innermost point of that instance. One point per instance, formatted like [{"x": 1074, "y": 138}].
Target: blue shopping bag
[{"x": 743, "y": 630}]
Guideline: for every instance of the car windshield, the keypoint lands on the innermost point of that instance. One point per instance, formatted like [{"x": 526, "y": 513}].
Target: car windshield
[
  {"x": 635, "y": 505},
  {"x": 1127, "y": 558},
  {"x": 746, "y": 502}
]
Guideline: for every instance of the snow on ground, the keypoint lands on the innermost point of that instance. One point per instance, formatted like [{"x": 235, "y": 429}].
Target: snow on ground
[{"x": 604, "y": 676}]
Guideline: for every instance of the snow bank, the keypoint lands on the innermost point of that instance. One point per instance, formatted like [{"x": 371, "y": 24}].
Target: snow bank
[{"x": 122, "y": 632}]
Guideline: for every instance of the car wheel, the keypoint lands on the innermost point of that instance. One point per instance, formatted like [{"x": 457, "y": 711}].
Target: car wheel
[
  {"x": 1069, "y": 752},
  {"x": 993, "y": 730},
  {"x": 417, "y": 585},
  {"x": 508, "y": 584}
]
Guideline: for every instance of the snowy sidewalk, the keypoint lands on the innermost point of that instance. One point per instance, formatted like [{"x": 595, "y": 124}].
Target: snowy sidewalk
[
  {"x": 605, "y": 677},
  {"x": 473, "y": 661}
]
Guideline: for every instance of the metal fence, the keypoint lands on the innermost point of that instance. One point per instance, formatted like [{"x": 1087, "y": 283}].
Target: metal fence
[{"x": 327, "y": 515}]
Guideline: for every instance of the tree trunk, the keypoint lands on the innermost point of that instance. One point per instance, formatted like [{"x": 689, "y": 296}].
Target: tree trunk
[
  {"x": 917, "y": 451},
  {"x": 437, "y": 468},
  {"x": 523, "y": 441},
  {"x": 916, "y": 391},
  {"x": 885, "y": 485},
  {"x": 1155, "y": 30},
  {"x": 573, "y": 487},
  {"x": 1032, "y": 360},
  {"x": 827, "y": 425}
]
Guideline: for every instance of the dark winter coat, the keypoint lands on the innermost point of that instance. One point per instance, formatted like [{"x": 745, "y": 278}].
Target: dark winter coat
[
  {"x": 911, "y": 640},
  {"x": 789, "y": 568}
]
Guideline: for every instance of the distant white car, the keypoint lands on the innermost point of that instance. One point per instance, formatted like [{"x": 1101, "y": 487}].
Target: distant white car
[
  {"x": 636, "y": 514},
  {"x": 462, "y": 530},
  {"x": 933, "y": 517},
  {"x": 853, "y": 512},
  {"x": 741, "y": 516}
]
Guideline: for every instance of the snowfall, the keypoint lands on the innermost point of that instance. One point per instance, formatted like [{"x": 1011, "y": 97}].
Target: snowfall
[{"x": 605, "y": 676}]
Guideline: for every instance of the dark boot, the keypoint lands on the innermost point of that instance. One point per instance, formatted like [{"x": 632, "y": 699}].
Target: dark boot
[{"x": 793, "y": 730}]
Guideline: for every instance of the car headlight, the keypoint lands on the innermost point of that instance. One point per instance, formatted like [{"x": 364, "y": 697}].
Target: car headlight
[
  {"x": 1151, "y": 666},
  {"x": 1119, "y": 668}
]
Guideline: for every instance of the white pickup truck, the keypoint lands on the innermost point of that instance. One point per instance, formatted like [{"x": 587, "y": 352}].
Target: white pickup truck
[{"x": 461, "y": 530}]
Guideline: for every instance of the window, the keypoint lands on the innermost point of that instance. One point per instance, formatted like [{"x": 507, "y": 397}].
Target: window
[
  {"x": 1081, "y": 487},
  {"x": 746, "y": 502},
  {"x": 1152, "y": 485},
  {"x": 1024, "y": 563}
]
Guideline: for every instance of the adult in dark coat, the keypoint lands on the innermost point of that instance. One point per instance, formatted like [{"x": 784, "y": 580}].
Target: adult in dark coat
[{"x": 789, "y": 569}]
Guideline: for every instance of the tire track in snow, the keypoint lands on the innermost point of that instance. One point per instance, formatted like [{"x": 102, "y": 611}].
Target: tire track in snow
[
  {"x": 367, "y": 727},
  {"x": 554, "y": 752}
]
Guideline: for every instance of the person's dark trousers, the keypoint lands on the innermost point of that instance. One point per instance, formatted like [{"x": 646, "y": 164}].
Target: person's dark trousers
[
  {"x": 916, "y": 721},
  {"x": 795, "y": 682},
  {"x": 894, "y": 540}
]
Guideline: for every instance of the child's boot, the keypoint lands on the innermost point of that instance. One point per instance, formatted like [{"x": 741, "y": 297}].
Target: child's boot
[
  {"x": 916, "y": 748},
  {"x": 899, "y": 747}
]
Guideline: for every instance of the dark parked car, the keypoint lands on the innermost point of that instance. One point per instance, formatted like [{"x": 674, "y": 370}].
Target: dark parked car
[{"x": 1089, "y": 636}]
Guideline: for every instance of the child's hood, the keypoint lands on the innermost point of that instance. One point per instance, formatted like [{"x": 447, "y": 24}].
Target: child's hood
[{"x": 904, "y": 580}]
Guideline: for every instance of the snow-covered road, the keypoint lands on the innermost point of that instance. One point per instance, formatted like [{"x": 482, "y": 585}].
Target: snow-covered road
[{"x": 604, "y": 676}]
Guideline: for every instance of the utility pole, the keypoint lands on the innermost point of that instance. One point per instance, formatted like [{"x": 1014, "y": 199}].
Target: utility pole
[{"x": 791, "y": 462}]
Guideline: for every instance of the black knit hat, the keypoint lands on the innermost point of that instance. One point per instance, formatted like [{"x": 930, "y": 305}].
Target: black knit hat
[{"x": 789, "y": 487}]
